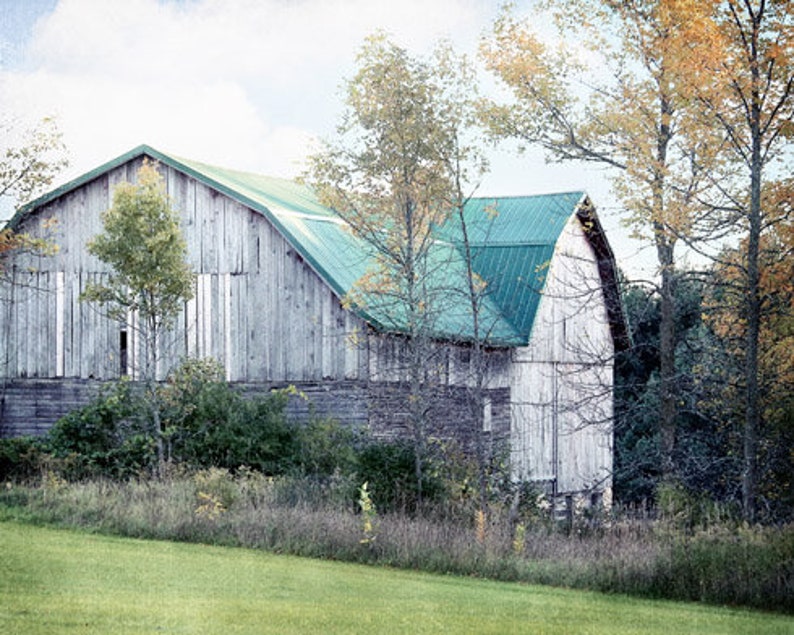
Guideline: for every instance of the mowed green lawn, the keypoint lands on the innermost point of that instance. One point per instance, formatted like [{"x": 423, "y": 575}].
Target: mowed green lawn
[{"x": 58, "y": 581}]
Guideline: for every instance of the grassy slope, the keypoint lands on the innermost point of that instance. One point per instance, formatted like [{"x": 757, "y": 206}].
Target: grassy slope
[{"x": 56, "y": 581}]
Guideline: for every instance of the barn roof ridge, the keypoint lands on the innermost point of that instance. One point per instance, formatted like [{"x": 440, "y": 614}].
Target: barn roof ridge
[{"x": 518, "y": 234}]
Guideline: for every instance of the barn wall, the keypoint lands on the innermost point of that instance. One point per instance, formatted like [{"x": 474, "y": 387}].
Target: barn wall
[
  {"x": 446, "y": 364},
  {"x": 29, "y": 407},
  {"x": 562, "y": 381},
  {"x": 449, "y": 415},
  {"x": 32, "y": 406},
  {"x": 258, "y": 307}
]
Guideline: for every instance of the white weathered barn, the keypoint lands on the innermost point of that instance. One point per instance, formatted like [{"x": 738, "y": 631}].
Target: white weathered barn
[{"x": 273, "y": 267}]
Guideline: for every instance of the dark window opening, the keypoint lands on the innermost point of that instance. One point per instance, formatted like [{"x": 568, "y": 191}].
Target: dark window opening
[{"x": 123, "y": 352}]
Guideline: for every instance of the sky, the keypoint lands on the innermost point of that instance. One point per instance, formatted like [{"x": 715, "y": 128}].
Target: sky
[{"x": 243, "y": 84}]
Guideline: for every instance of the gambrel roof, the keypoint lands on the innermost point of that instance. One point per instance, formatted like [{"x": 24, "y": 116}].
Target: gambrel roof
[{"x": 512, "y": 239}]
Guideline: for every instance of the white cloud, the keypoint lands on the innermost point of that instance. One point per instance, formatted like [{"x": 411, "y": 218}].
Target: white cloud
[
  {"x": 104, "y": 116},
  {"x": 245, "y": 83},
  {"x": 244, "y": 39}
]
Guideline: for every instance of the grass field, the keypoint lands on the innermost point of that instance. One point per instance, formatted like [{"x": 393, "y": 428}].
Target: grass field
[{"x": 58, "y": 581}]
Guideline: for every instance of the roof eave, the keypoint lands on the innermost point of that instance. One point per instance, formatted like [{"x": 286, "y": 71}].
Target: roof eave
[
  {"x": 607, "y": 271},
  {"x": 81, "y": 180}
]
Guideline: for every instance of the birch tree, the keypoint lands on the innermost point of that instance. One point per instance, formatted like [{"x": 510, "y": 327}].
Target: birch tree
[
  {"x": 143, "y": 244},
  {"x": 398, "y": 169}
]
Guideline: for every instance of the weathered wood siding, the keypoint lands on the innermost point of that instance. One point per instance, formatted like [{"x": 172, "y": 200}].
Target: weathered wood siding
[
  {"x": 259, "y": 308},
  {"x": 561, "y": 384},
  {"x": 29, "y": 407},
  {"x": 446, "y": 364},
  {"x": 448, "y": 412}
]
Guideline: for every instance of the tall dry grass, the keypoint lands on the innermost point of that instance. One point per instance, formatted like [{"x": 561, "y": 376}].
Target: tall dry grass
[{"x": 721, "y": 564}]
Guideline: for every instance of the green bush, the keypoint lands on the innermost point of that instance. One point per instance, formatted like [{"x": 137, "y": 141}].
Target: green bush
[
  {"x": 329, "y": 448},
  {"x": 110, "y": 436},
  {"x": 21, "y": 458},
  {"x": 389, "y": 467},
  {"x": 195, "y": 401},
  {"x": 210, "y": 424},
  {"x": 687, "y": 511},
  {"x": 256, "y": 434},
  {"x": 206, "y": 424}
]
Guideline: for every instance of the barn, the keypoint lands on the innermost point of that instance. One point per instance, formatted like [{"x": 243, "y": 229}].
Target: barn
[{"x": 273, "y": 268}]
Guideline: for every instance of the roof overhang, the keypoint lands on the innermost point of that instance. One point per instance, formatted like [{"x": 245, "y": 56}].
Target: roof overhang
[{"x": 608, "y": 272}]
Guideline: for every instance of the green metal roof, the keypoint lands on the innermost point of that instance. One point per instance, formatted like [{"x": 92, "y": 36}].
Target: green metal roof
[
  {"x": 516, "y": 220},
  {"x": 512, "y": 241}
]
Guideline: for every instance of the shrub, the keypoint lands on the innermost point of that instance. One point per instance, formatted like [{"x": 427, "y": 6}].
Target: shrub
[
  {"x": 110, "y": 436},
  {"x": 257, "y": 434},
  {"x": 390, "y": 469},
  {"x": 195, "y": 400},
  {"x": 687, "y": 511},
  {"x": 328, "y": 448},
  {"x": 210, "y": 424},
  {"x": 21, "y": 458},
  {"x": 206, "y": 424}
]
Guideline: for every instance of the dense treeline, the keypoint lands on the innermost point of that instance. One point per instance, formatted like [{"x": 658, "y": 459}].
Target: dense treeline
[
  {"x": 708, "y": 384},
  {"x": 689, "y": 106}
]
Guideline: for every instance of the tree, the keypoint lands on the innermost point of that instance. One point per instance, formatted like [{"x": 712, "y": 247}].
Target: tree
[
  {"x": 29, "y": 167},
  {"x": 26, "y": 169},
  {"x": 745, "y": 86},
  {"x": 400, "y": 169},
  {"x": 151, "y": 279},
  {"x": 636, "y": 120},
  {"x": 728, "y": 317}
]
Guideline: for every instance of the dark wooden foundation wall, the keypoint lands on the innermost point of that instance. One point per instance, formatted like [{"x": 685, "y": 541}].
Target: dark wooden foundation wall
[
  {"x": 32, "y": 406},
  {"x": 29, "y": 407}
]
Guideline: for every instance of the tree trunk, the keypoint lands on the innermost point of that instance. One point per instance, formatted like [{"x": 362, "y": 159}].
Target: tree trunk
[
  {"x": 150, "y": 381},
  {"x": 476, "y": 393},
  {"x": 665, "y": 250},
  {"x": 752, "y": 398},
  {"x": 668, "y": 407},
  {"x": 753, "y": 296},
  {"x": 416, "y": 353},
  {"x": 753, "y": 301}
]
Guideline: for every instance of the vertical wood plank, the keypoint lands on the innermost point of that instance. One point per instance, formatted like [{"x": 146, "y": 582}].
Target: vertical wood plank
[
  {"x": 60, "y": 320},
  {"x": 227, "y": 327}
]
